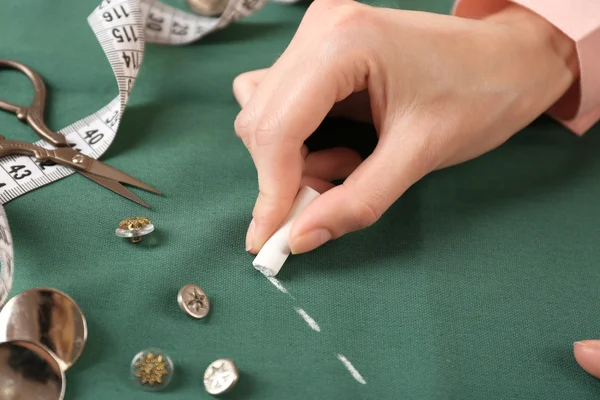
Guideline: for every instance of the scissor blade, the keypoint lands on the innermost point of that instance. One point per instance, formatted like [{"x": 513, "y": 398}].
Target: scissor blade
[
  {"x": 106, "y": 171},
  {"x": 115, "y": 187}
]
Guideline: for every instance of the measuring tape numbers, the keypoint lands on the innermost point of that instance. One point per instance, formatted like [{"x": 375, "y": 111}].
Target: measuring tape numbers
[{"x": 122, "y": 27}]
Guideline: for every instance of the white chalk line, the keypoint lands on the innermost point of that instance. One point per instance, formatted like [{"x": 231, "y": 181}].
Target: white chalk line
[
  {"x": 355, "y": 374},
  {"x": 311, "y": 322},
  {"x": 279, "y": 286},
  {"x": 313, "y": 325}
]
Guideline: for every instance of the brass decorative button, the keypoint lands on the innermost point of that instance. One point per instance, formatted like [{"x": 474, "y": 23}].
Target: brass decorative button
[
  {"x": 152, "y": 369},
  {"x": 134, "y": 228}
]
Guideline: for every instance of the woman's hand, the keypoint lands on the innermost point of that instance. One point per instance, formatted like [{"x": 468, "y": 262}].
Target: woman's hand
[{"x": 439, "y": 89}]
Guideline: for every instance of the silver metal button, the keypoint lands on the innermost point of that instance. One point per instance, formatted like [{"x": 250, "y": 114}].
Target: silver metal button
[
  {"x": 30, "y": 371},
  {"x": 49, "y": 317},
  {"x": 220, "y": 376},
  {"x": 193, "y": 301}
]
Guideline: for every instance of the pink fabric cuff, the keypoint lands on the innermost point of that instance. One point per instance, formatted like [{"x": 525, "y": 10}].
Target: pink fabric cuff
[{"x": 578, "y": 19}]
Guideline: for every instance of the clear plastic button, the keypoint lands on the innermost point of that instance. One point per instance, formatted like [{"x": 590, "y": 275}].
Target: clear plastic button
[{"x": 152, "y": 369}]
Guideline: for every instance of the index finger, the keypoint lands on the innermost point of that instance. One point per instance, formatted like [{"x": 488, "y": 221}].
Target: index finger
[{"x": 288, "y": 105}]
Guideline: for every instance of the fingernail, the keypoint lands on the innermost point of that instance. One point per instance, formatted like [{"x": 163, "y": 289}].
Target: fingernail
[
  {"x": 588, "y": 343},
  {"x": 250, "y": 236},
  {"x": 309, "y": 241}
]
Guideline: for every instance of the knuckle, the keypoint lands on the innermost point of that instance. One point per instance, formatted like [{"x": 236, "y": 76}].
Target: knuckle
[
  {"x": 336, "y": 16},
  {"x": 239, "y": 82},
  {"x": 343, "y": 36},
  {"x": 346, "y": 17},
  {"x": 270, "y": 206},
  {"x": 243, "y": 125},
  {"x": 260, "y": 213},
  {"x": 261, "y": 218},
  {"x": 266, "y": 130},
  {"x": 318, "y": 7},
  {"x": 365, "y": 214}
]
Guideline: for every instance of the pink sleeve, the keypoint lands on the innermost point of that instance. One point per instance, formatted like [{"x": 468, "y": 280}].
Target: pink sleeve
[{"x": 578, "y": 19}]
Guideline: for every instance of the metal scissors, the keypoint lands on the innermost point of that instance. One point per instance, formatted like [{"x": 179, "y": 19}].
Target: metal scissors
[{"x": 63, "y": 154}]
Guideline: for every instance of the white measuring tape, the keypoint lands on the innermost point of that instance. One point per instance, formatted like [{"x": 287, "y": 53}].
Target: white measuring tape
[
  {"x": 122, "y": 27},
  {"x": 6, "y": 257}
]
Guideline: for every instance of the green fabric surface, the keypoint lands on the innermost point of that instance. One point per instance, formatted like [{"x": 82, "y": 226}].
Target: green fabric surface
[{"x": 474, "y": 285}]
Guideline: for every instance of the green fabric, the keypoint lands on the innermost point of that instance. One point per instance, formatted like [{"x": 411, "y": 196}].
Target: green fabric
[{"x": 473, "y": 286}]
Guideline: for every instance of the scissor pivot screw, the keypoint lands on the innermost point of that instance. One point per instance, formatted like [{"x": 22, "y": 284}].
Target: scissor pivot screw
[
  {"x": 77, "y": 159},
  {"x": 134, "y": 228}
]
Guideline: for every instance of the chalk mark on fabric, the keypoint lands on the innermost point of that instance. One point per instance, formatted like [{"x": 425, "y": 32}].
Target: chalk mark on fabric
[
  {"x": 311, "y": 322},
  {"x": 355, "y": 374},
  {"x": 279, "y": 286},
  {"x": 313, "y": 325}
]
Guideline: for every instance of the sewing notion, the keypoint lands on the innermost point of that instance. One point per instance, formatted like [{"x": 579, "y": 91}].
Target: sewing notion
[
  {"x": 42, "y": 334},
  {"x": 64, "y": 153}
]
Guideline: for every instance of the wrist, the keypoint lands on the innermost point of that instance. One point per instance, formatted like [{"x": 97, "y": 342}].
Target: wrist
[
  {"x": 539, "y": 32},
  {"x": 544, "y": 50}
]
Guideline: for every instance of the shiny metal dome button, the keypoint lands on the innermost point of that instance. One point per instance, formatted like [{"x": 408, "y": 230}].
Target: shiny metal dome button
[
  {"x": 47, "y": 316},
  {"x": 221, "y": 376},
  {"x": 30, "y": 371},
  {"x": 193, "y": 301}
]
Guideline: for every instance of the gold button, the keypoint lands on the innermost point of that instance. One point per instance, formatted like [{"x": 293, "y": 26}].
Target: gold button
[
  {"x": 152, "y": 369},
  {"x": 134, "y": 228}
]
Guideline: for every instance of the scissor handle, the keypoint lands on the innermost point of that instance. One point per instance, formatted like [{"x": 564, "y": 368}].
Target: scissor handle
[
  {"x": 65, "y": 156},
  {"x": 33, "y": 115},
  {"x": 9, "y": 147}
]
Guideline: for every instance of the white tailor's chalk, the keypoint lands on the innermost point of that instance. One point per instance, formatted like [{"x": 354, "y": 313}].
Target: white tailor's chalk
[{"x": 273, "y": 254}]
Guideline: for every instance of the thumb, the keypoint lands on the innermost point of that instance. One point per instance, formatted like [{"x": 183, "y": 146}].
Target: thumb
[
  {"x": 364, "y": 196},
  {"x": 587, "y": 354}
]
